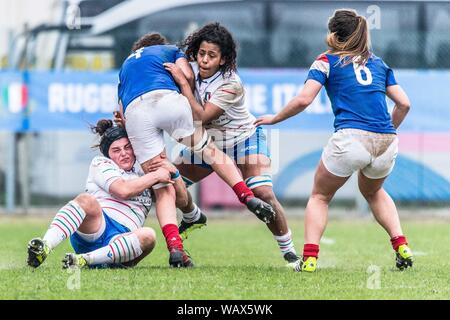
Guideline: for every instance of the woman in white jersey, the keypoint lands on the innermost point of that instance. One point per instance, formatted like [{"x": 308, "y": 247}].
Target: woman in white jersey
[
  {"x": 219, "y": 103},
  {"x": 106, "y": 223}
]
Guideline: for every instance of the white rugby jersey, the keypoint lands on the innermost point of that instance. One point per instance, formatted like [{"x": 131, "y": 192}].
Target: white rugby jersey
[
  {"x": 130, "y": 213},
  {"x": 227, "y": 92}
]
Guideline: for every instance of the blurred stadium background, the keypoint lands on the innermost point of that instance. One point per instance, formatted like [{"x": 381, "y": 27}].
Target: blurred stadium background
[{"x": 58, "y": 74}]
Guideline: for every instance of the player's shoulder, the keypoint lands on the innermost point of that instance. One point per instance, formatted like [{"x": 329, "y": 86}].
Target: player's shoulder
[
  {"x": 233, "y": 82},
  {"x": 325, "y": 57},
  {"x": 378, "y": 62},
  {"x": 99, "y": 161}
]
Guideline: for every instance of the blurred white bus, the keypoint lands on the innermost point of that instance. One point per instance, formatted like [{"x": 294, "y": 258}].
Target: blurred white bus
[{"x": 276, "y": 33}]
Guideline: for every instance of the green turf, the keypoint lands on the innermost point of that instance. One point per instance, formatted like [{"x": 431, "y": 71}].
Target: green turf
[{"x": 239, "y": 260}]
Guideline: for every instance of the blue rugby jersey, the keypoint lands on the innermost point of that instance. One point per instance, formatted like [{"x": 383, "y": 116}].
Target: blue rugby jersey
[
  {"x": 357, "y": 93},
  {"x": 143, "y": 71}
]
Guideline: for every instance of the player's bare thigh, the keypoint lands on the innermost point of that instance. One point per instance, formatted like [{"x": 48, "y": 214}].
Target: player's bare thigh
[
  {"x": 254, "y": 165},
  {"x": 191, "y": 171}
]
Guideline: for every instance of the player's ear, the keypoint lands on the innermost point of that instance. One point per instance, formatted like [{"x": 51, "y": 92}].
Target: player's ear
[{"x": 222, "y": 61}]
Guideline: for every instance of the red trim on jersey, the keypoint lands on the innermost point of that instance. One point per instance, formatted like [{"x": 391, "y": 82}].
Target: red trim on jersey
[
  {"x": 123, "y": 214},
  {"x": 123, "y": 203},
  {"x": 231, "y": 92},
  {"x": 323, "y": 57}
]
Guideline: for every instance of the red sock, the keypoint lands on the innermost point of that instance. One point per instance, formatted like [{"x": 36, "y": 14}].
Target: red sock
[
  {"x": 243, "y": 192},
  {"x": 398, "y": 241},
  {"x": 310, "y": 250},
  {"x": 172, "y": 236}
]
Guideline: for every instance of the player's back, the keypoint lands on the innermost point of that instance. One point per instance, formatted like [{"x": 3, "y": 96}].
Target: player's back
[
  {"x": 143, "y": 71},
  {"x": 357, "y": 93}
]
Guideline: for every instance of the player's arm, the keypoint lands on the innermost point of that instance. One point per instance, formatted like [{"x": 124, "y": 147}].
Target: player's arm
[
  {"x": 402, "y": 104},
  {"x": 206, "y": 114},
  {"x": 295, "y": 106},
  {"x": 126, "y": 189},
  {"x": 119, "y": 118},
  {"x": 178, "y": 183},
  {"x": 186, "y": 68}
]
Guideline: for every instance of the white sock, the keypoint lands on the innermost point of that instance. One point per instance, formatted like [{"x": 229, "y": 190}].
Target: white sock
[
  {"x": 64, "y": 224},
  {"x": 122, "y": 249},
  {"x": 285, "y": 243},
  {"x": 192, "y": 216}
]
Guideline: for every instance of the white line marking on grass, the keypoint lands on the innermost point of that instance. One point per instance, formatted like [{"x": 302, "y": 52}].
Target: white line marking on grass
[
  {"x": 326, "y": 240},
  {"x": 9, "y": 266},
  {"x": 420, "y": 253}
]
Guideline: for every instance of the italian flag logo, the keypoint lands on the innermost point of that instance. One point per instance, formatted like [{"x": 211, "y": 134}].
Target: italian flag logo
[{"x": 14, "y": 97}]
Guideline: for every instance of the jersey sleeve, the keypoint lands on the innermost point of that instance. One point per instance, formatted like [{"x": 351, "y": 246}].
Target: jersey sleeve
[
  {"x": 179, "y": 54},
  {"x": 228, "y": 94},
  {"x": 104, "y": 172},
  {"x": 319, "y": 70},
  {"x": 390, "y": 78}
]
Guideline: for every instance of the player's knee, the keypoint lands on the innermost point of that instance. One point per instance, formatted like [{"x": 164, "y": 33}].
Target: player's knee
[
  {"x": 88, "y": 203},
  {"x": 205, "y": 143},
  {"x": 147, "y": 238},
  {"x": 321, "y": 197}
]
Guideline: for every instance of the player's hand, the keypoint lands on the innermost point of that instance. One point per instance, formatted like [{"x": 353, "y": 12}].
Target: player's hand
[
  {"x": 176, "y": 73},
  {"x": 118, "y": 119},
  {"x": 163, "y": 163},
  {"x": 163, "y": 176},
  {"x": 267, "y": 119}
]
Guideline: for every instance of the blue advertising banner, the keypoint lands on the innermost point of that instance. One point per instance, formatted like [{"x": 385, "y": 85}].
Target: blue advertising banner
[
  {"x": 73, "y": 100},
  {"x": 70, "y": 101}
]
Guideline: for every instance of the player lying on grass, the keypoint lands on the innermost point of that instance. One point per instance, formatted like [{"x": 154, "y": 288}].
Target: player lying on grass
[
  {"x": 365, "y": 139},
  {"x": 218, "y": 100},
  {"x": 106, "y": 224}
]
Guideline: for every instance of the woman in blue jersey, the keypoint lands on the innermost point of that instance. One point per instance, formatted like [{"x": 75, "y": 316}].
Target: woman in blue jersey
[{"x": 365, "y": 139}]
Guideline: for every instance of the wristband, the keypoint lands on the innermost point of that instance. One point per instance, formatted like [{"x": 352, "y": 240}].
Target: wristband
[{"x": 175, "y": 175}]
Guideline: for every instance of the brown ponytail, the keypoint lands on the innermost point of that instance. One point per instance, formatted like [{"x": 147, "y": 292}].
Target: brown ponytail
[{"x": 349, "y": 37}]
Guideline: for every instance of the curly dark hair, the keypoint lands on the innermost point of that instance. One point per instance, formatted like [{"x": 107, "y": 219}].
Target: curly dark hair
[
  {"x": 101, "y": 126},
  {"x": 217, "y": 34},
  {"x": 149, "y": 39}
]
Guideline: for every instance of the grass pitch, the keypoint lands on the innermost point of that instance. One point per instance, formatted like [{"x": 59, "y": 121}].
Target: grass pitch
[{"x": 238, "y": 259}]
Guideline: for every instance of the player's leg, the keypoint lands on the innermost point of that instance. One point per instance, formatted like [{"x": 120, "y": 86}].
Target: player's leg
[
  {"x": 370, "y": 182},
  {"x": 167, "y": 218},
  {"x": 82, "y": 214},
  {"x": 257, "y": 173},
  {"x": 145, "y": 123},
  {"x": 125, "y": 249},
  {"x": 227, "y": 170},
  {"x": 178, "y": 123},
  {"x": 193, "y": 218},
  {"x": 316, "y": 214}
]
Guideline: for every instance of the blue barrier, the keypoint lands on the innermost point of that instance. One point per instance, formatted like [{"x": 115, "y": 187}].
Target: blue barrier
[{"x": 39, "y": 101}]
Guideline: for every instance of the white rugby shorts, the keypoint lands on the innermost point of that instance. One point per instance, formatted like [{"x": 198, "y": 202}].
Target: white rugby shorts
[
  {"x": 149, "y": 115},
  {"x": 349, "y": 150}
]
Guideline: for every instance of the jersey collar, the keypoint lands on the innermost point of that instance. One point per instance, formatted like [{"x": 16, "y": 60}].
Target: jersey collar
[{"x": 201, "y": 81}]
